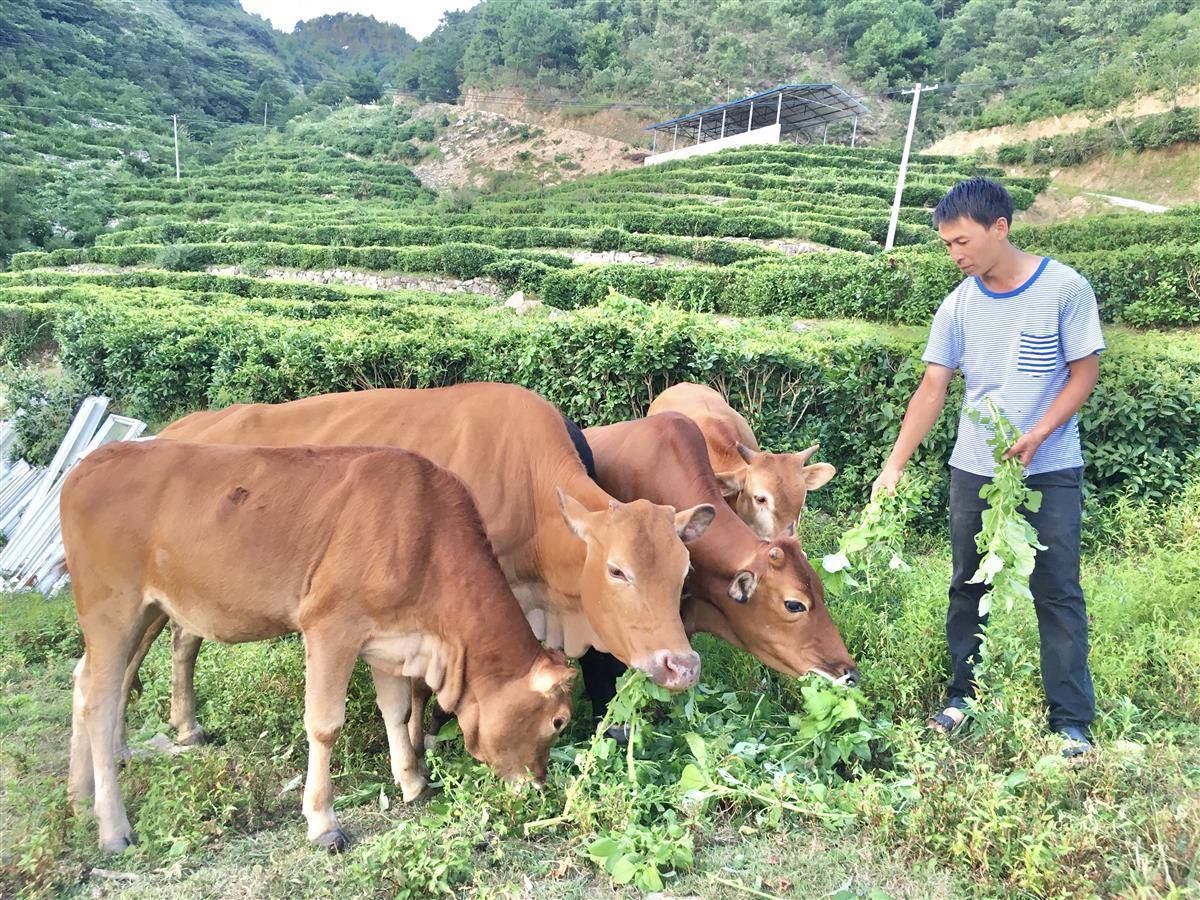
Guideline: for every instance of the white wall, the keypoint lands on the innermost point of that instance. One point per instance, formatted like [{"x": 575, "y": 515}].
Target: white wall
[{"x": 767, "y": 135}]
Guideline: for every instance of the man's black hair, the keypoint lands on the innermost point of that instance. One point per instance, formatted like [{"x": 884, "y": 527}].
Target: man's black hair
[{"x": 980, "y": 199}]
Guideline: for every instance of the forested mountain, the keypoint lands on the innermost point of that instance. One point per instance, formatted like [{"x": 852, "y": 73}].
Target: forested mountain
[
  {"x": 1055, "y": 54},
  {"x": 348, "y": 43}
]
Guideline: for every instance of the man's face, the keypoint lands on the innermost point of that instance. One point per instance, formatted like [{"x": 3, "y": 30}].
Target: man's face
[{"x": 974, "y": 248}]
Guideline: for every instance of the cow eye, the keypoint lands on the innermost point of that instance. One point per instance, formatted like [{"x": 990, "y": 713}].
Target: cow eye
[
  {"x": 616, "y": 574},
  {"x": 760, "y": 499},
  {"x": 794, "y": 606}
]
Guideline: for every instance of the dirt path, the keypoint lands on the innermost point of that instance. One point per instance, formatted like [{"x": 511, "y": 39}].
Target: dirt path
[
  {"x": 1139, "y": 205},
  {"x": 963, "y": 142}
]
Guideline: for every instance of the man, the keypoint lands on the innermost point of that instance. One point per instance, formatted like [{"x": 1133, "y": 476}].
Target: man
[{"x": 1025, "y": 331}]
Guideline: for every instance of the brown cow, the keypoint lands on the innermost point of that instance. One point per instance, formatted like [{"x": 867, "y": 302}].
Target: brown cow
[
  {"x": 768, "y": 490},
  {"x": 760, "y": 595},
  {"x": 367, "y": 552},
  {"x": 587, "y": 569}
]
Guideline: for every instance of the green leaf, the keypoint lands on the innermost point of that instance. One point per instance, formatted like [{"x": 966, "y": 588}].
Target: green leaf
[
  {"x": 601, "y": 849},
  {"x": 692, "y": 779},
  {"x": 622, "y": 871},
  {"x": 649, "y": 880}
]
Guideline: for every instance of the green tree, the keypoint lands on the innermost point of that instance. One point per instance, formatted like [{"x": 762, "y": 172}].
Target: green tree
[
  {"x": 329, "y": 93},
  {"x": 601, "y": 47}
]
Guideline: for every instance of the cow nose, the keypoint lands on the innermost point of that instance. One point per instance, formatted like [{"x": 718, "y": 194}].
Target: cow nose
[
  {"x": 849, "y": 677},
  {"x": 674, "y": 671}
]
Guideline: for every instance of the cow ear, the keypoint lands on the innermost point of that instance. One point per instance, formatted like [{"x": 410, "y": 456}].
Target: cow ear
[
  {"x": 741, "y": 589},
  {"x": 732, "y": 482},
  {"x": 575, "y": 514},
  {"x": 818, "y": 475},
  {"x": 551, "y": 674},
  {"x": 746, "y": 453},
  {"x": 692, "y": 523}
]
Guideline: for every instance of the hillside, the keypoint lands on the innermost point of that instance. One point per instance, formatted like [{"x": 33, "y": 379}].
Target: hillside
[
  {"x": 88, "y": 89},
  {"x": 1011, "y": 61}
]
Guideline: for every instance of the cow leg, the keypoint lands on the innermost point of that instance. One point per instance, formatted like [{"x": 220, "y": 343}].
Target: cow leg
[
  {"x": 416, "y": 718},
  {"x": 424, "y": 739},
  {"x": 328, "y": 663},
  {"x": 185, "y": 647},
  {"x": 121, "y": 744},
  {"x": 109, "y": 652},
  {"x": 81, "y": 783},
  {"x": 393, "y": 695}
]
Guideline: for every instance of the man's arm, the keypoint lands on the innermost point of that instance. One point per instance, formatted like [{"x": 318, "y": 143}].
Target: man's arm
[
  {"x": 923, "y": 411},
  {"x": 1084, "y": 375}
]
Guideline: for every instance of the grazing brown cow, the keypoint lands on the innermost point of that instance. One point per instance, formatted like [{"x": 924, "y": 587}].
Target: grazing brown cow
[
  {"x": 587, "y": 569},
  {"x": 366, "y": 552},
  {"x": 768, "y": 490},
  {"x": 760, "y": 595}
]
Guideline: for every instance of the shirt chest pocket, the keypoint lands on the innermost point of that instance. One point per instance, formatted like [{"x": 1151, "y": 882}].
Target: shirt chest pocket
[{"x": 1038, "y": 352}]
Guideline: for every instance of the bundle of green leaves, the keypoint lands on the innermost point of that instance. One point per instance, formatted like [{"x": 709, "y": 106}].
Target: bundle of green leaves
[
  {"x": 876, "y": 537},
  {"x": 1007, "y": 543}
]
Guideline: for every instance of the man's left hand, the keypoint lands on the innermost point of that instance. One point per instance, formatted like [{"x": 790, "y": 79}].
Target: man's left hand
[{"x": 1026, "y": 446}]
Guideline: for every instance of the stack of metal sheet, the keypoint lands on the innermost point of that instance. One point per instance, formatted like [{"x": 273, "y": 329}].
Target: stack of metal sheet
[{"x": 33, "y": 557}]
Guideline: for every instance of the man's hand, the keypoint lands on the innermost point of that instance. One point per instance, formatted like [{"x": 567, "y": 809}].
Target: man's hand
[
  {"x": 886, "y": 481},
  {"x": 1026, "y": 446}
]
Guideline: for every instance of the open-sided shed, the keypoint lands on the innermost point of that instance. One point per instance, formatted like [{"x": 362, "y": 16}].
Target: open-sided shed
[{"x": 790, "y": 110}]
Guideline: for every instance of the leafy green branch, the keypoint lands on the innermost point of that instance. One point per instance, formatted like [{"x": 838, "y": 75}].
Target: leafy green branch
[
  {"x": 876, "y": 537},
  {"x": 1007, "y": 543}
]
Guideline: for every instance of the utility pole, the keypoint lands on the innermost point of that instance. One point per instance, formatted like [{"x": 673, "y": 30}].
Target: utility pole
[
  {"x": 175, "y": 128},
  {"x": 912, "y": 121}
]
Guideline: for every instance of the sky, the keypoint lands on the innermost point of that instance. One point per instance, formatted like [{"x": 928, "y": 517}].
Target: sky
[{"x": 419, "y": 17}]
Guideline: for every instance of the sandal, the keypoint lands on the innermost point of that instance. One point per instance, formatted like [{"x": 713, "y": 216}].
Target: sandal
[
  {"x": 945, "y": 722},
  {"x": 1075, "y": 742}
]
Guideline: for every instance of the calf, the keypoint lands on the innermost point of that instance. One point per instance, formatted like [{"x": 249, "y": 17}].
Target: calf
[
  {"x": 760, "y": 595},
  {"x": 367, "y": 552},
  {"x": 767, "y": 490}
]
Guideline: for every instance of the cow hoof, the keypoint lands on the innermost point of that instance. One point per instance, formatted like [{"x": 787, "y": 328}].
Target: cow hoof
[
  {"x": 116, "y": 844},
  {"x": 414, "y": 792},
  {"x": 193, "y": 737},
  {"x": 334, "y": 841}
]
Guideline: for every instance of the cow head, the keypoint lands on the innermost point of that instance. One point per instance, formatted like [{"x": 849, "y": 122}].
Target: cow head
[
  {"x": 769, "y": 491},
  {"x": 774, "y": 608},
  {"x": 512, "y": 731},
  {"x": 632, "y": 579}
]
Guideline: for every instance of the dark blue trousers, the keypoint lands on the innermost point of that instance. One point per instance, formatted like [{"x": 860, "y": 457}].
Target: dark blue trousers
[{"x": 1057, "y": 595}]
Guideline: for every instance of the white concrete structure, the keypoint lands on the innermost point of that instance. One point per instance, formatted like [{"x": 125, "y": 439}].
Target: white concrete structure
[
  {"x": 790, "y": 110},
  {"x": 766, "y": 135}
]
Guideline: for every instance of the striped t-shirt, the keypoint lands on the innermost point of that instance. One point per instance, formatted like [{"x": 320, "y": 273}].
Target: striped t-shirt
[{"x": 1014, "y": 347}]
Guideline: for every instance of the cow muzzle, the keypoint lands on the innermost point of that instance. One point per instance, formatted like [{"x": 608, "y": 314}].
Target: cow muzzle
[{"x": 674, "y": 671}]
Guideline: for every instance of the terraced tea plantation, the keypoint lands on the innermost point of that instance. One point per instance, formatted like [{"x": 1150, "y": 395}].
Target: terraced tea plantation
[{"x": 286, "y": 270}]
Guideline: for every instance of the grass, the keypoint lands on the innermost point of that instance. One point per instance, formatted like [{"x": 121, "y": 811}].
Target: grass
[{"x": 993, "y": 812}]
